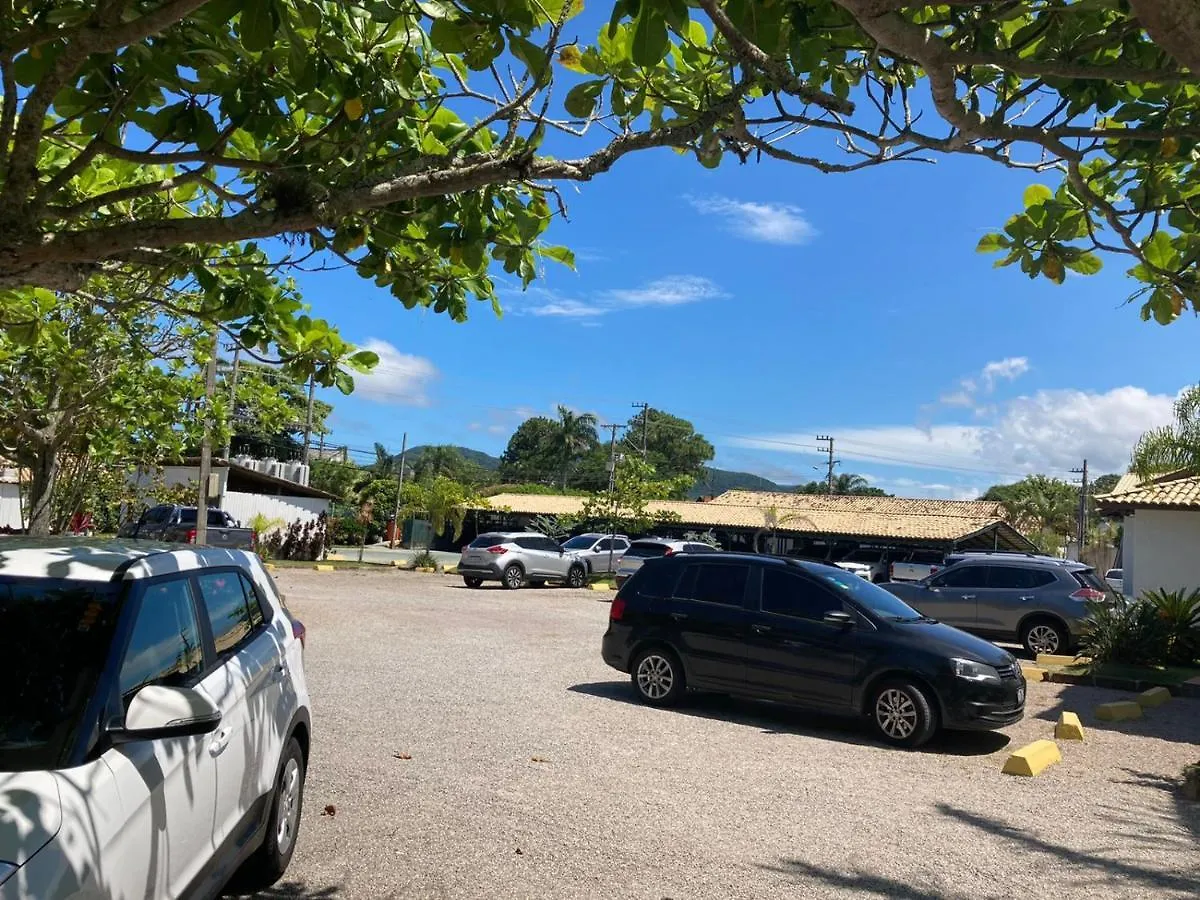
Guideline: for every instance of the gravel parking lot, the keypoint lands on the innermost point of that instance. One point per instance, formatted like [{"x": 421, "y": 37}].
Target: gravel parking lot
[{"x": 535, "y": 773}]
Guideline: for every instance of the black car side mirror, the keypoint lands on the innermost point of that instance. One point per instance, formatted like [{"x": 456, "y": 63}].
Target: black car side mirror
[{"x": 837, "y": 617}]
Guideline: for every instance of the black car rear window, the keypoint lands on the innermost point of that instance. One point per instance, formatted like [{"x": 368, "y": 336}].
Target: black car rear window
[
  {"x": 646, "y": 550},
  {"x": 217, "y": 518},
  {"x": 723, "y": 583},
  {"x": 654, "y": 579},
  {"x": 486, "y": 540}
]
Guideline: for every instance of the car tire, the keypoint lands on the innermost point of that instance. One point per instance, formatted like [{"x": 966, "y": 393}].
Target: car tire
[
  {"x": 658, "y": 677},
  {"x": 576, "y": 577},
  {"x": 472, "y": 582},
  {"x": 902, "y": 714},
  {"x": 513, "y": 577},
  {"x": 270, "y": 860},
  {"x": 1043, "y": 636}
]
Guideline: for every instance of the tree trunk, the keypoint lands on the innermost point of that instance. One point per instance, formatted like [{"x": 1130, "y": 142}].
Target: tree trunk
[{"x": 41, "y": 489}]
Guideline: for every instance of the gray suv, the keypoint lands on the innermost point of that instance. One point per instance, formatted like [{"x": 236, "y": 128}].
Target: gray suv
[
  {"x": 1039, "y": 601},
  {"x": 517, "y": 558},
  {"x": 599, "y": 552}
]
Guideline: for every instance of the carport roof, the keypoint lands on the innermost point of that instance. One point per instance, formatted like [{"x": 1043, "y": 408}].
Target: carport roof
[{"x": 919, "y": 521}]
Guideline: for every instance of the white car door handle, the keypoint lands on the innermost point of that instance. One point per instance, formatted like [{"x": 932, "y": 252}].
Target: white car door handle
[
  {"x": 968, "y": 596},
  {"x": 219, "y": 742}
]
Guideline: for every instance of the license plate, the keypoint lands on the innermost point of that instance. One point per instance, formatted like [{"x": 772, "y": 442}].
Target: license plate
[{"x": 1020, "y": 695}]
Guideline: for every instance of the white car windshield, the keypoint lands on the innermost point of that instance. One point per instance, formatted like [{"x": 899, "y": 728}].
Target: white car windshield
[{"x": 582, "y": 542}]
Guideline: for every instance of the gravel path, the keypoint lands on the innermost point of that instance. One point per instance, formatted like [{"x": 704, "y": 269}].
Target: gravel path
[{"x": 534, "y": 773}]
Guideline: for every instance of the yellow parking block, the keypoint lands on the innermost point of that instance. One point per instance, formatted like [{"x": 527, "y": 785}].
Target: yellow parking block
[
  {"x": 1156, "y": 696},
  {"x": 602, "y": 586},
  {"x": 320, "y": 568},
  {"x": 1058, "y": 659},
  {"x": 1032, "y": 759},
  {"x": 1034, "y": 673},
  {"x": 1069, "y": 728},
  {"x": 1118, "y": 711}
]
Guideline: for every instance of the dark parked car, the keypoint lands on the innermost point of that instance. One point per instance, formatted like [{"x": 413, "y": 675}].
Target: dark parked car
[
  {"x": 177, "y": 524},
  {"x": 808, "y": 634},
  {"x": 1040, "y": 601}
]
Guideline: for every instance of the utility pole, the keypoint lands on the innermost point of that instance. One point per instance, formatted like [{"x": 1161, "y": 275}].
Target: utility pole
[
  {"x": 826, "y": 439},
  {"x": 308, "y": 418},
  {"x": 612, "y": 491},
  {"x": 210, "y": 388},
  {"x": 645, "y": 408},
  {"x": 1081, "y": 535},
  {"x": 399, "y": 491},
  {"x": 237, "y": 352}
]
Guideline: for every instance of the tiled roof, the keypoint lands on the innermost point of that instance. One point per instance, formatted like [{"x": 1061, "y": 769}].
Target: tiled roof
[
  {"x": 1174, "y": 491},
  {"x": 854, "y": 503},
  {"x": 851, "y": 519}
]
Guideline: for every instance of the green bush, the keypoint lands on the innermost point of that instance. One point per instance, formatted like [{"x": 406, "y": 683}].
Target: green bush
[
  {"x": 1180, "y": 615},
  {"x": 425, "y": 560},
  {"x": 1161, "y": 628}
]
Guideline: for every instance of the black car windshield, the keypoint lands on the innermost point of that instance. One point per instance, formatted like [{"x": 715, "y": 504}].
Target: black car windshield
[
  {"x": 870, "y": 596},
  {"x": 582, "y": 542},
  {"x": 54, "y": 637}
]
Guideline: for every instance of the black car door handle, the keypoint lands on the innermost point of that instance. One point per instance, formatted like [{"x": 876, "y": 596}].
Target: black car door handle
[
  {"x": 679, "y": 617},
  {"x": 761, "y": 629}
]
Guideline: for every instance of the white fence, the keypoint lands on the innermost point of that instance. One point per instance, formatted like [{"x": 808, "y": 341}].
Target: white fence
[
  {"x": 10, "y": 504},
  {"x": 244, "y": 507}
]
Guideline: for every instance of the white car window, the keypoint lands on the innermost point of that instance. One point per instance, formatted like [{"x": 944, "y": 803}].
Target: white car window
[{"x": 165, "y": 646}]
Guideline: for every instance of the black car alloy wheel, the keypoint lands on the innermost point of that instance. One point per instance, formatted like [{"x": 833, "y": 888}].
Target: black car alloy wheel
[
  {"x": 576, "y": 577},
  {"x": 902, "y": 714},
  {"x": 514, "y": 577},
  {"x": 658, "y": 677}
]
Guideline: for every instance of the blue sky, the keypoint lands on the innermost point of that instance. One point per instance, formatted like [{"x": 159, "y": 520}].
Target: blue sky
[{"x": 769, "y": 303}]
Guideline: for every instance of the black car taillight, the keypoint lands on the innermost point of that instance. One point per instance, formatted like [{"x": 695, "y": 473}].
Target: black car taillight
[{"x": 617, "y": 610}]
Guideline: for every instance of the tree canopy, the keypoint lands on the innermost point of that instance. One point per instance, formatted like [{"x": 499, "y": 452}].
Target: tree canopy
[
  {"x": 673, "y": 447},
  {"x": 843, "y": 483},
  {"x": 421, "y": 143}
]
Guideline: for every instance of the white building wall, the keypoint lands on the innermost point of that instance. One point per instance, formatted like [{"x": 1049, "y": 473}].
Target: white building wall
[
  {"x": 244, "y": 507},
  {"x": 10, "y": 504},
  {"x": 1166, "y": 548}
]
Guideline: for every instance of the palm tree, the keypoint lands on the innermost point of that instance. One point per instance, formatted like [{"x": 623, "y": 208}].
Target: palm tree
[
  {"x": 439, "y": 460},
  {"x": 384, "y": 463},
  {"x": 574, "y": 433},
  {"x": 1172, "y": 447},
  {"x": 849, "y": 483},
  {"x": 1041, "y": 504}
]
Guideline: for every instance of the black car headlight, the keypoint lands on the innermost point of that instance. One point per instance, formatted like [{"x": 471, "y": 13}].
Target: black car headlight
[{"x": 969, "y": 670}]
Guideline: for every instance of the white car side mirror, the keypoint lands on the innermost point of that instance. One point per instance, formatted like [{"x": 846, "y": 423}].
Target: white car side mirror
[{"x": 158, "y": 712}]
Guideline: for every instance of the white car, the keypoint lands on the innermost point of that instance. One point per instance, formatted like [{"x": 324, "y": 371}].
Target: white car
[
  {"x": 601, "y": 553},
  {"x": 154, "y": 722},
  {"x": 1116, "y": 580},
  {"x": 652, "y": 548}
]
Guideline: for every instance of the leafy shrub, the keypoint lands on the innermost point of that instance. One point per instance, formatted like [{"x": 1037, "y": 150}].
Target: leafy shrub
[
  {"x": 425, "y": 560},
  {"x": 1180, "y": 615},
  {"x": 1125, "y": 631},
  {"x": 305, "y": 540}
]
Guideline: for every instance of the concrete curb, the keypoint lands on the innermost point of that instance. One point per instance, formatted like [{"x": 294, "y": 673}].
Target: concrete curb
[
  {"x": 1034, "y": 673},
  {"x": 320, "y": 568},
  {"x": 1156, "y": 696},
  {"x": 1032, "y": 759},
  {"x": 602, "y": 586}
]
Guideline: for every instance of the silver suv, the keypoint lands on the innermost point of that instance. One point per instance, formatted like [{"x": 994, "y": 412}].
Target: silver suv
[
  {"x": 599, "y": 552},
  {"x": 517, "y": 558},
  {"x": 1039, "y": 601}
]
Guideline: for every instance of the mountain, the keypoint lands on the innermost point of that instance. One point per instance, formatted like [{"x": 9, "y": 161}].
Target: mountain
[
  {"x": 478, "y": 457},
  {"x": 717, "y": 481}
]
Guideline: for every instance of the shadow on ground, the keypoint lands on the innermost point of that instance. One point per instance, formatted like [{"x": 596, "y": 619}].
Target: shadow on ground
[
  {"x": 1101, "y": 869},
  {"x": 292, "y": 890},
  {"x": 1178, "y": 721},
  {"x": 778, "y": 718}
]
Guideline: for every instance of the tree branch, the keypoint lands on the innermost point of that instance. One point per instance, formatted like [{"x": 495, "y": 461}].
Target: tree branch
[{"x": 1175, "y": 26}]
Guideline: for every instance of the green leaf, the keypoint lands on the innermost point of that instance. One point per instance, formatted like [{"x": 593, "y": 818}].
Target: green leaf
[
  {"x": 558, "y": 254},
  {"x": 257, "y": 25},
  {"x": 992, "y": 243},
  {"x": 531, "y": 54},
  {"x": 1160, "y": 252},
  {"x": 363, "y": 360},
  {"x": 1085, "y": 264},
  {"x": 650, "y": 38},
  {"x": 1037, "y": 194},
  {"x": 581, "y": 100},
  {"x": 676, "y": 14},
  {"x": 448, "y": 36}
]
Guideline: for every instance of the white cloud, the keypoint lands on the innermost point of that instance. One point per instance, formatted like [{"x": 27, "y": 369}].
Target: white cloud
[
  {"x": 1004, "y": 369},
  {"x": 770, "y": 223},
  {"x": 400, "y": 378},
  {"x": 1050, "y": 431},
  {"x": 673, "y": 291}
]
